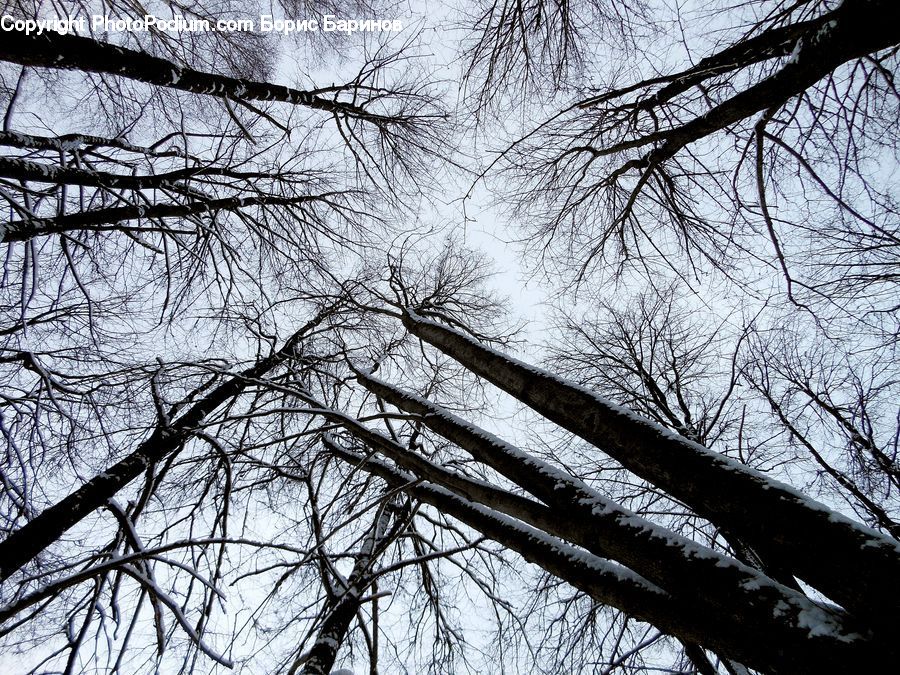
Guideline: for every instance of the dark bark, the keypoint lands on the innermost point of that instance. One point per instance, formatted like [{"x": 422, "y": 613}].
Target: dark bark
[
  {"x": 606, "y": 584},
  {"x": 699, "y": 659},
  {"x": 826, "y": 550},
  {"x": 109, "y": 219},
  {"x": 71, "y": 52},
  {"x": 23, "y": 169},
  {"x": 724, "y": 588},
  {"x": 855, "y": 29},
  {"x": 28, "y": 541},
  {"x": 341, "y": 610},
  {"x": 70, "y": 142},
  {"x": 772, "y": 43}
]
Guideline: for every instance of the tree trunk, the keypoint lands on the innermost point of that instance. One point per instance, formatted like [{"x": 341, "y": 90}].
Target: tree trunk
[
  {"x": 28, "y": 541},
  {"x": 824, "y": 548},
  {"x": 71, "y": 52}
]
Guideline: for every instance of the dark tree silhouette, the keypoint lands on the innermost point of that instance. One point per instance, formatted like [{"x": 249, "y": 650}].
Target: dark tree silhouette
[{"x": 257, "y": 413}]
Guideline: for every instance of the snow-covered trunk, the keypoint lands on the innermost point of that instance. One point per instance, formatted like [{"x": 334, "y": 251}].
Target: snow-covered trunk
[
  {"x": 729, "y": 591},
  {"x": 29, "y": 540},
  {"x": 621, "y": 588},
  {"x": 341, "y": 609},
  {"x": 826, "y": 549}
]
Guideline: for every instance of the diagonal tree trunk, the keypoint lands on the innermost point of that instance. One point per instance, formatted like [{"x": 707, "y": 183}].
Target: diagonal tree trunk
[
  {"x": 724, "y": 587},
  {"x": 619, "y": 587},
  {"x": 854, "y": 30},
  {"x": 28, "y": 541},
  {"x": 72, "y": 52},
  {"x": 820, "y": 546}
]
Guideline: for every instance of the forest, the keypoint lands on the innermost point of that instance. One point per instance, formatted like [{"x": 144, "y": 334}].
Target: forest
[{"x": 476, "y": 337}]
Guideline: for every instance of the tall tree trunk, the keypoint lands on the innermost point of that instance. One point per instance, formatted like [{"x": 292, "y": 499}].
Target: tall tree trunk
[
  {"x": 341, "y": 610},
  {"x": 619, "y": 587},
  {"x": 728, "y": 590},
  {"x": 72, "y": 52},
  {"x": 824, "y": 548},
  {"x": 28, "y": 541}
]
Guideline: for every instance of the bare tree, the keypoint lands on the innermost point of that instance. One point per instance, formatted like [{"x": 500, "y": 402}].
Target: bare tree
[
  {"x": 765, "y": 146},
  {"x": 251, "y": 418},
  {"x": 584, "y": 414},
  {"x": 837, "y": 409},
  {"x": 143, "y": 220}
]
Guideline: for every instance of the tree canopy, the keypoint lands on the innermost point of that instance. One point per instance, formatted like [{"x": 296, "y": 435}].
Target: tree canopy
[{"x": 272, "y": 398}]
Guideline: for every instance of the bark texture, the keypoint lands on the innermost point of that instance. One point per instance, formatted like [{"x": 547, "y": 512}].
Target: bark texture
[
  {"x": 823, "y": 548},
  {"x": 72, "y": 52}
]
